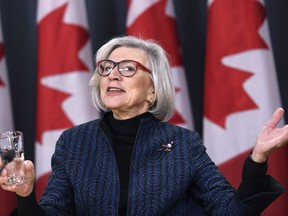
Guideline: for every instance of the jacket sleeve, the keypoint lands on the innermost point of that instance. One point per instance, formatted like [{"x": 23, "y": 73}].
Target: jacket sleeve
[
  {"x": 257, "y": 188},
  {"x": 218, "y": 197},
  {"x": 58, "y": 197},
  {"x": 28, "y": 206}
]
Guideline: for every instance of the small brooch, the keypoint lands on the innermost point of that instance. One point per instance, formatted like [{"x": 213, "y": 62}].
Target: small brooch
[{"x": 166, "y": 147}]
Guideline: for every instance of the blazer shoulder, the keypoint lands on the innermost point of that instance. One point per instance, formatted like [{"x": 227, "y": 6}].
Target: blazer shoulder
[
  {"x": 179, "y": 129},
  {"x": 83, "y": 128}
]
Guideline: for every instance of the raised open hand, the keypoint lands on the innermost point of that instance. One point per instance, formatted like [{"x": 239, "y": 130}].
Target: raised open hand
[{"x": 270, "y": 138}]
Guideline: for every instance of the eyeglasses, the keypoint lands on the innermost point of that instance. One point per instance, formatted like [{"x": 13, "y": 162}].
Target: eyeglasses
[{"x": 126, "y": 68}]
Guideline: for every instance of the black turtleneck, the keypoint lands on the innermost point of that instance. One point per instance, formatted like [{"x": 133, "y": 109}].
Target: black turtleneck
[{"x": 123, "y": 135}]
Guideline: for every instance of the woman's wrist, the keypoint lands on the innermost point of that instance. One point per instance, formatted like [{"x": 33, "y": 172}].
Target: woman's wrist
[{"x": 258, "y": 158}]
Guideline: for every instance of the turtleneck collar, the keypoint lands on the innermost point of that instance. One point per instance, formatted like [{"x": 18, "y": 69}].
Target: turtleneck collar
[{"x": 126, "y": 127}]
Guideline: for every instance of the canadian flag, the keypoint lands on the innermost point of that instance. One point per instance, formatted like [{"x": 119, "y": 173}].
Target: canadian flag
[
  {"x": 8, "y": 199},
  {"x": 64, "y": 70},
  {"x": 241, "y": 89},
  {"x": 155, "y": 19}
]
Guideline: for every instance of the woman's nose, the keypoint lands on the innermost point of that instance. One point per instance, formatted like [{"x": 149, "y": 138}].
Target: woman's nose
[{"x": 115, "y": 74}]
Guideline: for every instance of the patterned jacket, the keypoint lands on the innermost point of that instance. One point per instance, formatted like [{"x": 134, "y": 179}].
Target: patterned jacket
[{"x": 169, "y": 169}]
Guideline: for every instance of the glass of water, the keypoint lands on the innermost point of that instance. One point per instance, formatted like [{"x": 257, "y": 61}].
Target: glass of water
[{"x": 13, "y": 140}]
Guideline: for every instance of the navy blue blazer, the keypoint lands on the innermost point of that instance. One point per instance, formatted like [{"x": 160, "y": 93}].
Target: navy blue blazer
[{"x": 163, "y": 179}]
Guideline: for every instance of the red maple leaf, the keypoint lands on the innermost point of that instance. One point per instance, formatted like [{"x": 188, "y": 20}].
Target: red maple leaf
[
  {"x": 58, "y": 53},
  {"x": 154, "y": 23},
  {"x": 1, "y": 56},
  {"x": 232, "y": 28},
  {"x": 177, "y": 118}
]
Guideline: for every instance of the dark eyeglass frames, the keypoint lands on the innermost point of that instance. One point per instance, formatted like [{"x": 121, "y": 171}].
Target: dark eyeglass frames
[{"x": 126, "y": 68}]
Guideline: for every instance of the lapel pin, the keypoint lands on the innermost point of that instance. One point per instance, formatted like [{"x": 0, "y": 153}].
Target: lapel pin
[{"x": 167, "y": 147}]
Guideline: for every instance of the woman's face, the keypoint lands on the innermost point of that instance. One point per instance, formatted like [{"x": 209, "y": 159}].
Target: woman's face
[{"x": 127, "y": 96}]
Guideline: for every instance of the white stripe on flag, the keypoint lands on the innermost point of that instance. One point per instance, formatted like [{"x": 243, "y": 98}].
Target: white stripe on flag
[{"x": 62, "y": 80}]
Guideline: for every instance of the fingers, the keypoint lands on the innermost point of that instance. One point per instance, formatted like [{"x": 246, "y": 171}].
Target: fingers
[
  {"x": 29, "y": 172},
  {"x": 28, "y": 165},
  {"x": 3, "y": 176},
  {"x": 276, "y": 118},
  {"x": 22, "y": 189},
  {"x": 3, "y": 179}
]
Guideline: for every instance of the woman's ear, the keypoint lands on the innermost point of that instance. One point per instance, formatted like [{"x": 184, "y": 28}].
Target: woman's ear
[{"x": 152, "y": 98}]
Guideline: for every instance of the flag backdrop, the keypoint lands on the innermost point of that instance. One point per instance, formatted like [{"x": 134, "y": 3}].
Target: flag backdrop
[
  {"x": 155, "y": 19},
  {"x": 64, "y": 70},
  {"x": 58, "y": 65},
  {"x": 8, "y": 200},
  {"x": 241, "y": 89}
]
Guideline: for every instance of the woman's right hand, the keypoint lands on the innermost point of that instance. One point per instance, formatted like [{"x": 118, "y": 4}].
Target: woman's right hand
[{"x": 25, "y": 188}]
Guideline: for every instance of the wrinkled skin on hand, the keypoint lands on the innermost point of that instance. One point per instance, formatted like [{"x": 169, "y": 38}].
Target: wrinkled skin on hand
[
  {"x": 270, "y": 138},
  {"x": 24, "y": 189}
]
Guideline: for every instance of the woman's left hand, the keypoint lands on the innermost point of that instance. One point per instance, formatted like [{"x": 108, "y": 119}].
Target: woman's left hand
[{"x": 270, "y": 138}]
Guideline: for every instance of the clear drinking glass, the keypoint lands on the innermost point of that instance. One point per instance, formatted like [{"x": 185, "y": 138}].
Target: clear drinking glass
[{"x": 13, "y": 140}]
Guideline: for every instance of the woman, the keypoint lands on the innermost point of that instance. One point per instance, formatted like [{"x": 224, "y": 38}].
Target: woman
[{"x": 132, "y": 162}]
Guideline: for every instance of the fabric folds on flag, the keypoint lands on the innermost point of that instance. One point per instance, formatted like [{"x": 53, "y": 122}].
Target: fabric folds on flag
[
  {"x": 64, "y": 70},
  {"x": 154, "y": 19},
  {"x": 241, "y": 89},
  {"x": 8, "y": 199}
]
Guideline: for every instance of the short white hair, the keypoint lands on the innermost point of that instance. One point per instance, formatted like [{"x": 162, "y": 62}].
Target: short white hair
[{"x": 163, "y": 106}]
